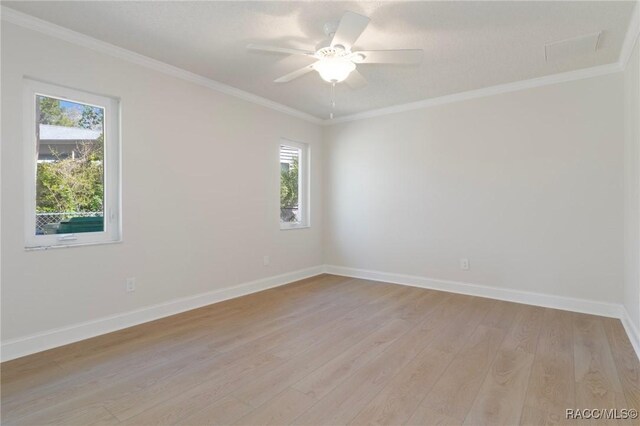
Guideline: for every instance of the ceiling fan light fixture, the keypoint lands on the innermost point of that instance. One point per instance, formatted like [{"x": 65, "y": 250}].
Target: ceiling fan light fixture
[{"x": 334, "y": 70}]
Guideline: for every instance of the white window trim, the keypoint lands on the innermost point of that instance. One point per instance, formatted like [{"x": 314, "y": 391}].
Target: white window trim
[
  {"x": 112, "y": 189},
  {"x": 303, "y": 185}
]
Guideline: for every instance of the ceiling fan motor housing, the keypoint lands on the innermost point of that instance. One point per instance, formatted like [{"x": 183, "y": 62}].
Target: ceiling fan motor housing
[{"x": 332, "y": 52}]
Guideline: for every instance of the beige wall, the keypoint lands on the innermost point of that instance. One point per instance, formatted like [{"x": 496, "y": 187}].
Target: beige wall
[
  {"x": 200, "y": 192},
  {"x": 526, "y": 185},
  {"x": 632, "y": 188}
]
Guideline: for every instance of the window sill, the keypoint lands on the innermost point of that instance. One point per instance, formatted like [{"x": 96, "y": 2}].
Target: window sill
[
  {"x": 292, "y": 227},
  {"x": 60, "y": 246}
]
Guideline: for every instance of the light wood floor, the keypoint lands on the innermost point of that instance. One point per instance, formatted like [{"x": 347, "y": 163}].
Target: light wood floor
[{"x": 330, "y": 351}]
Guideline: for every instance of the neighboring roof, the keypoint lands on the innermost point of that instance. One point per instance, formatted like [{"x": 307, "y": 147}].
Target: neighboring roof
[{"x": 62, "y": 133}]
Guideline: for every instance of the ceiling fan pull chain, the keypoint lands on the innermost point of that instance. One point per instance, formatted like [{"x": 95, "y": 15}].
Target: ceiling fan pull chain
[
  {"x": 333, "y": 95},
  {"x": 333, "y": 99}
]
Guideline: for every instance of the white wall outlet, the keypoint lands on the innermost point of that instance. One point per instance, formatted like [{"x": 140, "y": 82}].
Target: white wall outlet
[
  {"x": 131, "y": 285},
  {"x": 266, "y": 261},
  {"x": 464, "y": 264}
]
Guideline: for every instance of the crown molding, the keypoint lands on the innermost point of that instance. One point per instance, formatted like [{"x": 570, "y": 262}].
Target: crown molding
[
  {"x": 53, "y": 30},
  {"x": 633, "y": 32},
  {"x": 45, "y": 27},
  {"x": 632, "y": 36},
  {"x": 484, "y": 92}
]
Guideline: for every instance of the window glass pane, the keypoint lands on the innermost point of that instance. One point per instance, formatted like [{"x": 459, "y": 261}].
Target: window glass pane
[
  {"x": 70, "y": 167},
  {"x": 289, "y": 184}
]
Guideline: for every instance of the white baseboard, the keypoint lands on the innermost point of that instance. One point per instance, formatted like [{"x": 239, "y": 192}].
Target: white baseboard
[
  {"x": 509, "y": 295},
  {"x": 27, "y": 345},
  {"x": 632, "y": 331},
  {"x": 611, "y": 310}
]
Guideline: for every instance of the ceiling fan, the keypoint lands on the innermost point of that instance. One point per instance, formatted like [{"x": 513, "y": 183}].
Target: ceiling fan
[{"x": 336, "y": 62}]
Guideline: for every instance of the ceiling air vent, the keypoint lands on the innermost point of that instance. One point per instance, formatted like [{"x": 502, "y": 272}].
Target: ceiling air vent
[{"x": 572, "y": 47}]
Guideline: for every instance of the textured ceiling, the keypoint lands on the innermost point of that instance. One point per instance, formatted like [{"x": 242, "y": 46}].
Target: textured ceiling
[{"x": 468, "y": 45}]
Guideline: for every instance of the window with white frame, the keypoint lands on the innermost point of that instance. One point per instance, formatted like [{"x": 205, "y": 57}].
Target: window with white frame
[
  {"x": 294, "y": 185},
  {"x": 72, "y": 163}
]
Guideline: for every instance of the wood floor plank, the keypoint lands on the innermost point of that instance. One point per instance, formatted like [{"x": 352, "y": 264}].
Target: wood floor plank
[
  {"x": 225, "y": 411},
  {"x": 226, "y": 379},
  {"x": 626, "y": 361},
  {"x": 375, "y": 306},
  {"x": 86, "y": 415},
  {"x": 222, "y": 382},
  {"x": 287, "y": 334},
  {"x": 100, "y": 375},
  {"x": 130, "y": 400},
  {"x": 523, "y": 336},
  {"x": 423, "y": 301},
  {"x": 351, "y": 396},
  {"x": 15, "y": 380},
  {"x": 326, "y": 378},
  {"x": 181, "y": 407},
  {"x": 395, "y": 403},
  {"x": 501, "y": 315},
  {"x": 333, "y": 350},
  {"x": 280, "y": 410},
  {"x": 536, "y": 417},
  {"x": 401, "y": 397},
  {"x": 501, "y": 396},
  {"x": 71, "y": 393},
  {"x": 472, "y": 311},
  {"x": 426, "y": 416},
  {"x": 196, "y": 393},
  {"x": 597, "y": 381},
  {"x": 363, "y": 323},
  {"x": 345, "y": 401},
  {"x": 551, "y": 385},
  {"x": 454, "y": 392}
]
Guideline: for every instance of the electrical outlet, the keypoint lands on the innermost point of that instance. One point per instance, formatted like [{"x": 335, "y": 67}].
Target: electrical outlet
[
  {"x": 131, "y": 285},
  {"x": 265, "y": 261},
  {"x": 464, "y": 264}
]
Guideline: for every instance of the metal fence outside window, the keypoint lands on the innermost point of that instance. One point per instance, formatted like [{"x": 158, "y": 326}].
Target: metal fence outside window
[
  {"x": 43, "y": 219},
  {"x": 289, "y": 214}
]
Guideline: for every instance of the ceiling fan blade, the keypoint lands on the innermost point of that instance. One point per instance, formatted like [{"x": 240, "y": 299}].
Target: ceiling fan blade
[
  {"x": 349, "y": 29},
  {"x": 356, "y": 80},
  {"x": 408, "y": 56},
  {"x": 277, "y": 49},
  {"x": 295, "y": 74}
]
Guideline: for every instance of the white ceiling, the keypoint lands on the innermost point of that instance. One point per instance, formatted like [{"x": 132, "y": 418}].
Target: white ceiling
[{"x": 468, "y": 45}]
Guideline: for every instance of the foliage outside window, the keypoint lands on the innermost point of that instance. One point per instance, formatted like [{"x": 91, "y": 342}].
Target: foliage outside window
[
  {"x": 289, "y": 191},
  {"x": 293, "y": 185}
]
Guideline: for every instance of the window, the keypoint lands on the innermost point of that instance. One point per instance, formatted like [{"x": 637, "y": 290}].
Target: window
[
  {"x": 294, "y": 184},
  {"x": 72, "y": 167}
]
